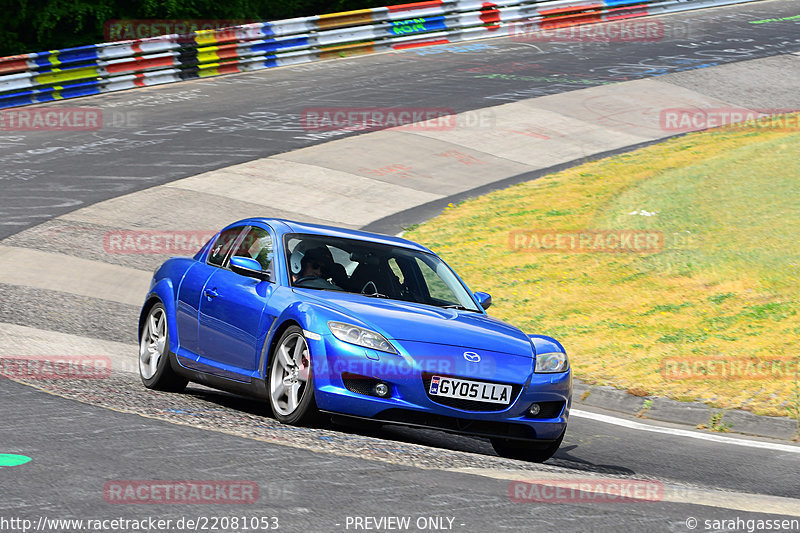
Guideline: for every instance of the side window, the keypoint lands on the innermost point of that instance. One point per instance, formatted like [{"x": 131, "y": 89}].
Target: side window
[
  {"x": 222, "y": 245},
  {"x": 257, "y": 244}
]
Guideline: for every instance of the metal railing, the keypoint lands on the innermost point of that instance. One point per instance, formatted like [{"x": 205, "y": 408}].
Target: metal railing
[{"x": 100, "y": 68}]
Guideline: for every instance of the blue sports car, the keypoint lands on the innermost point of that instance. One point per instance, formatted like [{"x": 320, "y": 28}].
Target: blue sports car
[{"x": 317, "y": 319}]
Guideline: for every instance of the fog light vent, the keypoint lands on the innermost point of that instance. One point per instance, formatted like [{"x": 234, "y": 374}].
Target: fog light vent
[
  {"x": 542, "y": 410},
  {"x": 382, "y": 390}
]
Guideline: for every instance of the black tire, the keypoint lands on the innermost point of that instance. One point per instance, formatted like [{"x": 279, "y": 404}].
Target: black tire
[
  {"x": 526, "y": 450},
  {"x": 292, "y": 368},
  {"x": 155, "y": 366}
]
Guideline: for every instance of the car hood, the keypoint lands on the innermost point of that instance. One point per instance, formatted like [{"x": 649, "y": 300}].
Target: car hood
[{"x": 398, "y": 320}]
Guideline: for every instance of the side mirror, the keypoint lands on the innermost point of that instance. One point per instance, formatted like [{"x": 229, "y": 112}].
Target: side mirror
[
  {"x": 484, "y": 299},
  {"x": 249, "y": 267}
]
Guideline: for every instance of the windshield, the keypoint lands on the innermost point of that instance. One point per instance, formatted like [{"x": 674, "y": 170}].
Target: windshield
[{"x": 375, "y": 270}]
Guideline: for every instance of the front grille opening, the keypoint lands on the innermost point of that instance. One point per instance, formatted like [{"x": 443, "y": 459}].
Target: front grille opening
[
  {"x": 458, "y": 425},
  {"x": 359, "y": 384},
  {"x": 468, "y": 405}
]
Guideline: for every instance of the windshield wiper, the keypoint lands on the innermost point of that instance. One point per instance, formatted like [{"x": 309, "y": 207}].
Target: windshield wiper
[{"x": 455, "y": 306}]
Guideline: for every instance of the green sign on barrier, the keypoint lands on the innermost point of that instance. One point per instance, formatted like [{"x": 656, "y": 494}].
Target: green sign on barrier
[
  {"x": 7, "y": 459},
  {"x": 408, "y": 26}
]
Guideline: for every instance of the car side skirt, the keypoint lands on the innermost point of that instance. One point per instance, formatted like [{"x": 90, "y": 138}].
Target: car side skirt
[{"x": 256, "y": 388}]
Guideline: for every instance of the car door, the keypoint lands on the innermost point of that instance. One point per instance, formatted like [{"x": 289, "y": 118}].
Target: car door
[
  {"x": 191, "y": 292},
  {"x": 233, "y": 317}
]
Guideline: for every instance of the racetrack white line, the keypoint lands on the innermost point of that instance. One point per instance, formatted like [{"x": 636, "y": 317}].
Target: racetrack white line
[
  {"x": 631, "y": 424},
  {"x": 672, "y": 492}
]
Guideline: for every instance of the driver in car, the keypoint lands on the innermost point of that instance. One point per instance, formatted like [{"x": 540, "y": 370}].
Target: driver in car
[{"x": 314, "y": 262}]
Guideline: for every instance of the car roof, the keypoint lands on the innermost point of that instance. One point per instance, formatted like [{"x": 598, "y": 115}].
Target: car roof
[{"x": 283, "y": 226}]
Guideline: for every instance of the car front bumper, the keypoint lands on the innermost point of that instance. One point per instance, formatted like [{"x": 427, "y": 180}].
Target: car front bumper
[{"x": 345, "y": 375}]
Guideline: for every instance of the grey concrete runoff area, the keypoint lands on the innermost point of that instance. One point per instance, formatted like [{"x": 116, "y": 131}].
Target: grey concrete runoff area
[{"x": 189, "y": 158}]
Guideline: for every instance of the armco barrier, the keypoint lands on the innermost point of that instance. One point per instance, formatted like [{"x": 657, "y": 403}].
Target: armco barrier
[{"x": 85, "y": 70}]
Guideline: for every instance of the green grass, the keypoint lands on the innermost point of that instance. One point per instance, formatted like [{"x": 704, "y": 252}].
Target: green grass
[{"x": 725, "y": 284}]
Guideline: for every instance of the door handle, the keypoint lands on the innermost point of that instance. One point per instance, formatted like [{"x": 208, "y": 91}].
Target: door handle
[{"x": 211, "y": 293}]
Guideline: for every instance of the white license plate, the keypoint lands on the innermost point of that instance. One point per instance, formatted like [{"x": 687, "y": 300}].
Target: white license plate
[{"x": 470, "y": 390}]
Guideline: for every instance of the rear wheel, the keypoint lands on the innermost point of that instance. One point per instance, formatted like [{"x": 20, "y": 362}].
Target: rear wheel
[
  {"x": 291, "y": 381},
  {"x": 526, "y": 450},
  {"x": 154, "y": 355}
]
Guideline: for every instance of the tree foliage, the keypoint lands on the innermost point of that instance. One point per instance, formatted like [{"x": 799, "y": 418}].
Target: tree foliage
[{"x": 37, "y": 25}]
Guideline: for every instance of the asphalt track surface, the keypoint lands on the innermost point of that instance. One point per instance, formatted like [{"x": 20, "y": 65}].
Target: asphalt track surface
[
  {"x": 322, "y": 476},
  {"x": 170, "y": 132}
]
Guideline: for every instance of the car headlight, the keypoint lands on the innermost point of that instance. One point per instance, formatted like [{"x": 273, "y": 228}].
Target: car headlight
[
  {"x": 360, "y": 336},
  {"x": 551, "y": 363}
]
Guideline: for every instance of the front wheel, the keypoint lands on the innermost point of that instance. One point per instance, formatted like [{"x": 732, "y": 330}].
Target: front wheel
[
  {"x": 154, "y": 365},
  {"x": 526, "y": 450},
  {"x": 291, "y": 381}
]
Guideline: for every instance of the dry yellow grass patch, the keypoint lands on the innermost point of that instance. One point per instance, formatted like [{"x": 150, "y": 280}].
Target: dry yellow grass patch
[{"x": 725, "y": 286}]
